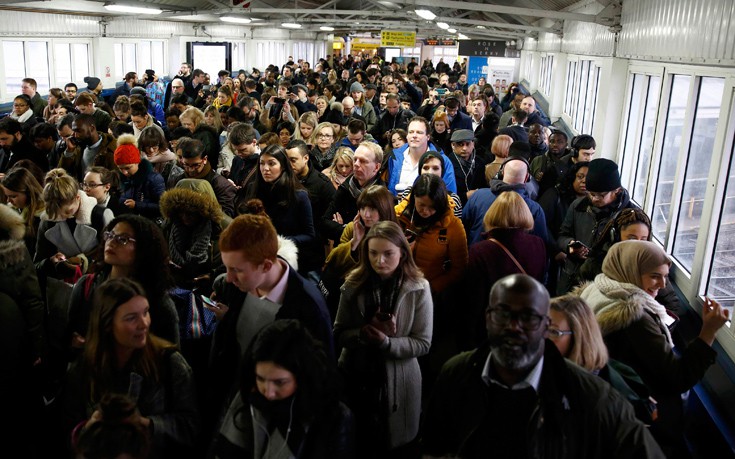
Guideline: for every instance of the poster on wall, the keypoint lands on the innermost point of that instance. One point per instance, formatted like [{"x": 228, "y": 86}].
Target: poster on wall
[
  {"x": 500, "y": 79},
  {"x": 477, "y": 68}
]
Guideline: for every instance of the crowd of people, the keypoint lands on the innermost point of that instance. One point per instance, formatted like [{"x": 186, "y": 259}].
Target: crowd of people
[{"x": 373, "y": 248}]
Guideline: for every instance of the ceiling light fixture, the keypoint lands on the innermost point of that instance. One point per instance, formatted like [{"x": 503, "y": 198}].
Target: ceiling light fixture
[
  {"x": 326, "y": 28},
  {"x": 235, "y": 20},
  {"x": 132, "y": 9},
  {"x": 452, "y": 30},
  {"x": 426, "y": 14},
  {"x": 290, "y": 25},
  {"x": 462, "y": 36},
  {"x": 443, "y": 25},
  {"x": 481, "y": 27}
]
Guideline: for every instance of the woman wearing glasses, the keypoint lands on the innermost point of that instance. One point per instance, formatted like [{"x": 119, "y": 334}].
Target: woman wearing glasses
[
  {"x": 321, "y": 155},
  {"x": 70, "y": 228},
  {"x": 104, "y": 185},
  {"x": 507, "y": 249},
  {"x": 23, "y": 113},
  {"x": 134, "y": 248},
  {"x": 123, "y": 355},
  {"x": 383, "y": 324}
]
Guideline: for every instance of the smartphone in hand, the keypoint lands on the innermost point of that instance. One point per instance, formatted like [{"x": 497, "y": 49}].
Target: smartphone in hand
[{"x": 209, "y": 302}]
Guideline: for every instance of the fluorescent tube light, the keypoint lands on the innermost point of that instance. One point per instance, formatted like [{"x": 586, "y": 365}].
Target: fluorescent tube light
[
  {"x": 290, "y": 25},
  {"x": 443, "y": 25},
  {"x": 426, "y": 14},
  {"x": 452, "y": 30},
  {"x": 133, "y": 9},
  {"x": 326, "y": 28},
  {"x": 235, "y": 20}
]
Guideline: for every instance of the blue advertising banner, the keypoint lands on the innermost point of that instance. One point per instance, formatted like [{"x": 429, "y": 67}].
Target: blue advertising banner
[{"x": 477, "y": 68}]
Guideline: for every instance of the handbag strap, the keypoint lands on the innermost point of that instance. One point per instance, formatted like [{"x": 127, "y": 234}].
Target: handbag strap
[{"x": 510, "y": 255}]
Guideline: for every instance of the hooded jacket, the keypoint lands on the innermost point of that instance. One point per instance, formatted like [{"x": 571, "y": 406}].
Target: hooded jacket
[
  {"x": 482, "y": 199},
  {"x": 145, "y": 187}
]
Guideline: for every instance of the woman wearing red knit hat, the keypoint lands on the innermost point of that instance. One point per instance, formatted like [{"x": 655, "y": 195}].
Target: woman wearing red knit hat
[{"x": 141, "y": 186}]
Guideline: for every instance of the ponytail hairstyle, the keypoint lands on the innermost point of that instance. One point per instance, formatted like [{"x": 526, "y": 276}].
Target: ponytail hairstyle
[{"x": 60, "y": 189}]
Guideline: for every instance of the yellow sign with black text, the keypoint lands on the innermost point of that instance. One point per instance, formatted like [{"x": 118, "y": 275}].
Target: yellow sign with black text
[{"x": 397, "y": 39}]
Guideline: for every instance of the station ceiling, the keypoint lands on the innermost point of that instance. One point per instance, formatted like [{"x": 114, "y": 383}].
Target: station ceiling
[{"x": 500, "y": 19}]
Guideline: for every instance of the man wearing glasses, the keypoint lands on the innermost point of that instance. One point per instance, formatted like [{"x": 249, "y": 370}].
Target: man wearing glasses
[
  {"x": 516, "y": 396},
  {"x": 588, "y": 215},
  {"x": 196, "y": 166}
]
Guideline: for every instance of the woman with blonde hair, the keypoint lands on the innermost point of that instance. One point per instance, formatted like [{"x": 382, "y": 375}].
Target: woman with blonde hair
[
  {"x": 499, "y": 148},
  {"x": 213, "y": 118},
  {"x": 507, "y": 248},
  {"x": 384, "y": 323},
  {"x": 342, "y": 165},
  {"x": 322, "y": 154},
  {"x": 305, "y": 127},
  {"x": 576, "y": 334},
  {"x": 70, "y": 229},
  {"x": 322, "y": 106}
]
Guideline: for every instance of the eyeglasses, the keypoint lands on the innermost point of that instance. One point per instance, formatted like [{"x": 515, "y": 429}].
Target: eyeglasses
[
  {"x": 119, "y": 238},
  {"x": 193, "y": 166},
  {"x": 87, "y": 186},
  {"x": 555, "y": 333},
  {"x": 597, "y": 196},
  {"x": 528, "y": 321}
]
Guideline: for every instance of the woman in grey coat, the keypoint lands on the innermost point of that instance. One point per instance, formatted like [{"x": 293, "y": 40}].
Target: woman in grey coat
[{"x": 384, "y": 322}]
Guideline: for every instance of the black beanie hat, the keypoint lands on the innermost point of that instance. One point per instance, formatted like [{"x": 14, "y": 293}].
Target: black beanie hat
[
  {"x": 92, "y": 82},
  {"x": 522, "y": 149},
  {"x": 336, "y": 117},
  {"x": 602, "y": 176}
]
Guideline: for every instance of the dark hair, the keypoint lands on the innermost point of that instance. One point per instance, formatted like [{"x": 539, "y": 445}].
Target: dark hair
[
  {"x": 43, "y": 131},
  {"x": 66, "y": 103},
  {"x": 138, "y": 109},
  {"x": 87, "y": 120},
  {"x": 173, "y": 111},
  {"x": 119, "y": 128},
  {"x": 24, "y": 98},
  {"x": 356, "y": 125},
  {"x": 179, "y": 133},
  {"x": 241, "y": 133},
  {"x": 565, "y": 185},
  {"x": 430, "y": 155},
  {"x": 191, "y": 148},
  {"x": 9, "y": 126},
  {"x": 519, "y": 115},
  {"x": 582, "y": 142},
  {"x": 288, "y": 344},
  {"x": 152, "y": 136},
  {"x": 291, "y": 127},
  {"x": 298, "y": 145},
  {"x": 65, "y": 121},
  {"x": 432, "y": 186},
  {"x": 235, "y": 113},
  {"x": 180, "y": 99},
  {"x": 114, "y": 435},
  {"x": 150, "y": 267},
  {"x": 282, "y": 192},
  {"x": 379, "y": 198},
  {"x": 107, "y": 177}
]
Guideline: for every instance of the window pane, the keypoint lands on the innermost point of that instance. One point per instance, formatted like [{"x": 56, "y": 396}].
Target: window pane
[
  {"x": 722, "y": 276},
  {"x": 128, "y": 58},
  {"x": 80, "y": 61},
  {"x": 119, "y": 57},
  {"x": 697, "y": 171},
  {"x": 630, "y": 153},
  {"x": 144, "y": 57},
  {"x": 14, "y": 66},
  {"x": 157, "y": 57},
  {"x": 671, "y": 144},
  {"x": 37, "y": 64},
  {"x": 646, "y": 145},
  {"x": 62, "y": 63},
  {"x": 589, "y": 109}
]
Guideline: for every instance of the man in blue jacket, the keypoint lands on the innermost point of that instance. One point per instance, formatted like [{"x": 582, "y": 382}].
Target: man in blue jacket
[
  {"x": 457, "y": 118},
  {"x": 403, "y": 165}
]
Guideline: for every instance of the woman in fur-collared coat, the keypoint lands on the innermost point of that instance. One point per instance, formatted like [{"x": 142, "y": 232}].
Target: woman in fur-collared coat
[{"x": 636, "y": 331}]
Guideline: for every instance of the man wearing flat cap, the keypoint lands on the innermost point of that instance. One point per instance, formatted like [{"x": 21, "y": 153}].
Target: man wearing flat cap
[{"x": 469, "y": 167}]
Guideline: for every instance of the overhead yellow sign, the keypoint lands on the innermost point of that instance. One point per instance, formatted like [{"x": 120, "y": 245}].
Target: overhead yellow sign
[
  {"x": 397, "y": 39},
  {"x": 360, "y": 45}
]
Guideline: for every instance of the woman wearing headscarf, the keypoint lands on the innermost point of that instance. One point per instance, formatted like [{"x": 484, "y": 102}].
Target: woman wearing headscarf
[{"x": 636, "y": 331}]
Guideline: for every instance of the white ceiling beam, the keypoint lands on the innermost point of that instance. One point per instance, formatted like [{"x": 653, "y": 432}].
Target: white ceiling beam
[
  {"x": 514, "y": 10},
  {"x": 501, "y": 25}
]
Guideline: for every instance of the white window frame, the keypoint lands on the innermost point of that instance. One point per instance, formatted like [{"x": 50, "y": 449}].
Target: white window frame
[
  {"x": 692, "y": 285},
  {"x": 580, "y": 99}
]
